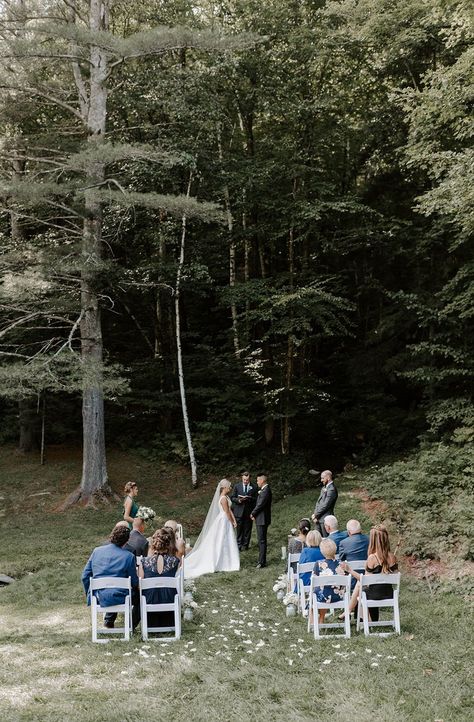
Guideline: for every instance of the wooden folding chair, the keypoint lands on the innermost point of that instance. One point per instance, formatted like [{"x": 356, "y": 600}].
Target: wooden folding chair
[
  {"x": 336, "y": 580},
  {"x": 174, "y": 606},
  {"x": 125, "y": 608},
  {"x": 368, "y": 580}
]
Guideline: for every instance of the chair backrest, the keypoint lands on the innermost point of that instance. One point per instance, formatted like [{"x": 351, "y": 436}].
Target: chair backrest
[
  {"x": 160, "y": 582},
  {"x": 292, "y": 558},
  {"x": 366, "y": 580},
  {"x": 304, "y": 569},
  {"x": 357, "y": 564},
  {"x": 331, "y": 580},
  {"x": 111, "y": 583}
]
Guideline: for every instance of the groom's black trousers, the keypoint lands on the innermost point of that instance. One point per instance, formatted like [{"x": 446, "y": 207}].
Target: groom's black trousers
[
  {"x": 262, "y": 544},
  {"x": 244, "y": 531}
]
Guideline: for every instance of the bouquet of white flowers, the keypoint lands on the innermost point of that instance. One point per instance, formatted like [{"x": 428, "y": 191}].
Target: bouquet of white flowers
[
  {"x": 290, "y": 598},
  {"x": 188, "y": 602},
  {"x": 189, "y": 585},
  {"x": 280, "y": 583},
  {"x": 145, "y": 513}
]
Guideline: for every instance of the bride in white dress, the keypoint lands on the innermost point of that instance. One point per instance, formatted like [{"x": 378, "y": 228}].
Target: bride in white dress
[{"x": 216, "y": 547}]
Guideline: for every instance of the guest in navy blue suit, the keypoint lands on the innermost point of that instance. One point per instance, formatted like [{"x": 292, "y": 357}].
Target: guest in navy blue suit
[
  {"x": 356, "y": 545},
  {"x": 112, "y": 560},
  {"x": 332, "y": 527}
]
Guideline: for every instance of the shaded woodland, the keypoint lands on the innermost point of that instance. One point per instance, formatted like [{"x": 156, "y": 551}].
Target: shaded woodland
[{"x": 254, "y": 216}]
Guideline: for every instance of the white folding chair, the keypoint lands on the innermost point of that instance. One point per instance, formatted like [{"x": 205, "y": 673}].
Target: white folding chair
[
  {"x": 180, "y": 577},
  {"x": 336, "y": 580},
  {"x": 368, "y": 580},
  {"x": 174, "y": 606},
  {"x": 357, "y": 565},
  {"x": 303, "y": 589},
  {"x": 125, "y": 608},
  {"x": 290, "y": 574},
  {"x": 179, "y": 531}
]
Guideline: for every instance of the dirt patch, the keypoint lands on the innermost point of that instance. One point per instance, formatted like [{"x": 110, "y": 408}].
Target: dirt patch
[
  {"x": 426, "y": 569},
  {"x": 375, "y": 508}
]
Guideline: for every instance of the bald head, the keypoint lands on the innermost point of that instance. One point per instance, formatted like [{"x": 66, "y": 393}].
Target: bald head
[
  {"x": 326, "y": 476},
  {"x": 172, "y": 525},
  {"x": 353, "y": 527},
  {"x": 138, "y": 524},
  {"x": 121, "y": 523}
]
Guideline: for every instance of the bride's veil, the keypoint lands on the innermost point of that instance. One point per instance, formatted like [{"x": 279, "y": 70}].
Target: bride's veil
[{"x": 212, "y": 515}]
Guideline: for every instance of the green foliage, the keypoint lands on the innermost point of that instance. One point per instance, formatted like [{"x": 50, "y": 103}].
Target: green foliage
[{"x": 430, "y": 495}]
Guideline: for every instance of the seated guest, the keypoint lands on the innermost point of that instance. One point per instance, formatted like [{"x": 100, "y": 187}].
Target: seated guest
[
  {"x": 328, "y": 567},
  {"x": 311, "y": 553},
  {"x": 180, "y": 543},
  {"x": 298, "y": 542},
  {"x": 380, "y": 560},
  {"x": 354, "y": 546},
  {"x": 332, "y": 527},
  {"x": 162, "y": 562},
  {"x": 137, "y": 543},
  {"x": 112, "y": 560}
]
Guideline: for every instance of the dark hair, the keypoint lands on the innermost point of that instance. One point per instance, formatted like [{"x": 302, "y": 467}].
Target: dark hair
[
  {"x": 304, "y": 526},
  {"x": 120, "y": 535},
  {"x": 262, "y": 476}
]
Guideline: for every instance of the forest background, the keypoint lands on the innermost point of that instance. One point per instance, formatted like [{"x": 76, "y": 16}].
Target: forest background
[{"x": 254, "y": 216}]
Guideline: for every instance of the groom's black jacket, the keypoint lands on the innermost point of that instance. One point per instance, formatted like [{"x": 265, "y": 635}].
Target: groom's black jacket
[
  {"x": 262, "y": 512},
  {"x": 245, "y": 509}
]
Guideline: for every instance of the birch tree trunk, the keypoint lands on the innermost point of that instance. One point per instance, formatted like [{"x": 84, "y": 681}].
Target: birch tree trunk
[{"x": 182, "y": 387}]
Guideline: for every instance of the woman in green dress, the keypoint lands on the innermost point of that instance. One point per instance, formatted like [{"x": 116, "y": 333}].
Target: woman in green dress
[{"x": 130, "y": 506}]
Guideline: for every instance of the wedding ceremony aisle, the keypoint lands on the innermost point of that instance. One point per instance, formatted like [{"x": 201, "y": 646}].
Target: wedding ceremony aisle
[{"x": 240, "y": 658}]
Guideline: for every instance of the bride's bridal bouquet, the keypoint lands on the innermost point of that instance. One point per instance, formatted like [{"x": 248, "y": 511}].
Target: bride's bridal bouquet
[{"x": 145, "y": 513}]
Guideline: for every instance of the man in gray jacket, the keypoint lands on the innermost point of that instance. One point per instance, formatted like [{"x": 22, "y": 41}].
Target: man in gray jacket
[{"x": 326, "y": 502}]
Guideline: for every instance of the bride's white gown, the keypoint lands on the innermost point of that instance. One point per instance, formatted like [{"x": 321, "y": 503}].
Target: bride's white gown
[{"x": 217, "y": 551}]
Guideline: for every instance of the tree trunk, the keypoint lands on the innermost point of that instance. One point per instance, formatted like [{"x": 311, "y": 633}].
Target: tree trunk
[
  {"x": 182, "y": 387},
  {"x": 285, "y": 422},
  {"x": 232, "y": 257},
  {"x": 28, "y": 423},
  {"x": 94, "y": 467}
]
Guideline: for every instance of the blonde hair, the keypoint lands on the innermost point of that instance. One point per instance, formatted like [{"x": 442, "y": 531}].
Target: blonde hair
[
  {"x": 328, "y": 548},
  {"x": 313, "y": 538},
  {"x": 129, "y": 486},
  {"x": 224, "y": 484}
]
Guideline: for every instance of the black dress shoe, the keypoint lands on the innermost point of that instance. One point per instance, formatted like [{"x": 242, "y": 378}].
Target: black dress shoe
[
  {"x": 260, "y": 566},
  {"x": 109, "y": 625}
]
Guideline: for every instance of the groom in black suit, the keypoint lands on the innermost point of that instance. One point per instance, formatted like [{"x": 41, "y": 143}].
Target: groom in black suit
[
  {"x": 262, "y": 515},
  {"x": 243, "y": 498}
]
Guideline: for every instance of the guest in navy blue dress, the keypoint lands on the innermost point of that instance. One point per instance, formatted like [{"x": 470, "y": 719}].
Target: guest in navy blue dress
[
  {"x": 162, "y": 562},
  {"x": 328, "y": 567},
  {"x": 311, "y": 553}
]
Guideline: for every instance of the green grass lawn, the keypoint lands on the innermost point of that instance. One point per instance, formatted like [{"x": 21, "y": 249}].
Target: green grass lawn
[{"x": 240, "y": 659}]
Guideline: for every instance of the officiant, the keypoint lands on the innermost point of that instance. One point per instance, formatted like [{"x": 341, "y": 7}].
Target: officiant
[{"x": 244, "y": 496}]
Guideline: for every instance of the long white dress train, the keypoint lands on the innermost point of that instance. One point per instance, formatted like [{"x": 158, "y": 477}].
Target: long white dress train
[{"x": 216, "y": 551}]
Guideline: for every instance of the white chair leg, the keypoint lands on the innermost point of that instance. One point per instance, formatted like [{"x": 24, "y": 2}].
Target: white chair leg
[
  {"x": 144, "y": 619},
  {"x": 94, "y": 618},
  {"x": 347, "y": 618},
  {"x": 365, "y": 616},
  {"x": 126, "y": 620},
  {"x": 396, "y": 612}
]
